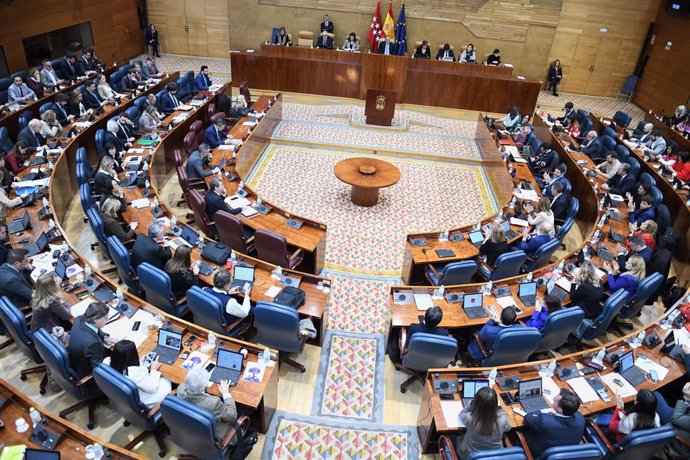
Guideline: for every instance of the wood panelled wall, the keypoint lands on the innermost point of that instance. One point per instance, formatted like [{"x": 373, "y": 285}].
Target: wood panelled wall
[
  {"x": 114, "y": 24},
  {"x": 665, "y": 81}
]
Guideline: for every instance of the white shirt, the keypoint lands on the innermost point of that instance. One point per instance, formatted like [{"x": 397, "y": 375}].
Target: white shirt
[
  {"x": 153, "y": 388},
  {"x": 234, "y": 308}
]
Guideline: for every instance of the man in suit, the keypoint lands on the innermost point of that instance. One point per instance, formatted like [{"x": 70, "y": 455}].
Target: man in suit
[
  {"x": 532, "y": 244},
  {"x": 91, "y": 98},
  {"x": 60, "y": 109},
  {"x": 544, "y": 159},
  {"x": 489, "y": 332},
  {"x": 432, "y": 318},
  {"x": 215, "y": 200},
  {"x": 646, "y": 134},
  {"x": 19, "y": 92},
  {"x": 558, "y": 176},
  {"x": 622, "y": 183},
  {"x": 149, "y": 248},
  {"x": 326, "y": 25},
  {"x": 559, "y": 203},
  {"x": 49, "y": 77},
  {"x": 85, "y": 66},
  {"x": 445, "y": 54},
  {"x": 564, "y": 427},
  {"x": 215, "y": 134},
  {"x": 86, "y": 343},
  {"x": 139, "y": 75},
  {"x": 592, "y": 146},
  {"x": 68, "y": 70},
  {"x": 569, "y": 109},
  {"x": 169, "y": 101},
  {"x": 112, "y": 136},
  {"x": 324, "y": 41},
  {"x": 31, "y": 135},
  {"x": 4, "y": 246},
  {"x": 150, "y": 69},
  {"x": 197, "y": 161},
  {"x": 637, "y": 248},
  {"x": 14, "y": 277},
  {"x": 646, "y": 211},
  {"x": 387, "y": 47},
  {"x": 129, "y": 81},
  {"x": 655, "y": 146},
  {"x": 202, "y": 80},
  {"x": 126, "y": 131}
]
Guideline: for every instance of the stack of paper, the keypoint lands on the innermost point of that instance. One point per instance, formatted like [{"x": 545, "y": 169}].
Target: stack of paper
[
  {"x": 625, "y": 391},
  {"x": 451, "y": 412},
  {"x": 584, "y": 390},
  {"x": 648, "y": 366},
  {"x": 141, "y": 203},
  {"x": 550, "y": 388},
  {"x": 249, "y": 212},
  {"x": 423, "y": 301}
]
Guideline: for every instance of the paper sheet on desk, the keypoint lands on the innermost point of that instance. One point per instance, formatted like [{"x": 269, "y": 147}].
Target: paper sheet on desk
[
  {"x": 78, "y": 309},
  {"x": 527, "y": 195},
  {"x": 519, "y": 222},
  {"x": 505, "y": 302},
  {"x": 451, "y": 412},
  {"x": 33, "y": 183},
  {"x": 625, "y": 391},
  {"x": 141, "y": 203},
  {"x": 235, "y": 202},
  {"x": 648, "y": 365},
  {"x": 119, "y": 329},
  {"x": 226, "y": 147},
  {"x": 550, "y": 388},
  {"x": 423, "y": 301},
  {"x": 583, "y": 389},
  {"x": 273, "y": 291}
]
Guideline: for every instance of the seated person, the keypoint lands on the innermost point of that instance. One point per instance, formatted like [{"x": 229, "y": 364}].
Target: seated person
[
  {"x": 520, "y": 137},
  {"x": 4, "y": 241},
  {"x": 197, "y": 162},
  {"x": 495, "y": 245},
  {"x": 114, "y": 137},
  {"x": 531, "y": 244},
  {"x": 19, "y": 92},
  {"x": 586, "y": 291},
  {"x": 646, "y": 134},
  {"x": 50, "y": 127},
  {"x": 233, "y": 309},
  {"x": 634, "y": 273},
  {"x": 149, "y": 248},
  {"x": 645, "y": 211},
  {"x": 680, "y": 421},
  {"x": 49, "y": 77},
  {"x": 282, "y": 38},
  {"x": 91, "y": 98},
  {"x": 494, "y": 58},
  {"x": 610, "y": 167},
  {"x": 153, "y": 387},
  {"x": 655, "y": 146},
  {"x": 670, "y": 157},
  {"x": 351, "y": 42},
  {"x": 489, "y": 332},
  {"x": 76, "y": 106},
  {"x": 647, "y": 231},
  {"x": 5, "y": 202},
  {"x": 568, "y": 109},
  {"x": 572, "y": 126},
  {"x": 105, "y": 179},
  {"x": 239, "y": 107},
  {"x": 592, "y": 146},
  {"x": 565, "y": 426},
  {"x": 422, "y": 51},
  {"x": 559, "y": 203},
  {"x": 48, "y": 309},
  {"x": 635, "y": 197},
  {"x": 388, "y": 47},
  {"x": 324, "y": 41},
  {"x": 679, "y": 116},
  {"x": 215, "y": 134},
  {"x": 223, "y": 409},
  {"x": 215, "y": 199},
  {"x": 34, "y": 82},
  {"x": 432, "y": 318},
  {"x": 129, "y": 82},
  {"x": 67, "y": 69},
  {"x": 112, "y": 225},
  {"x": 511, "y": 122},
  {"x": 637, "y": 247},
  {"x": 542, "y": 310},
  {"x": 150, "y": 69},
  {"x": 14, "y": 277},
  {"x": 622, "y": 183},
  {"x": 681, "y": 169},
  {"x": 61, "y": 110},
  {"x": 168, "y": 101},
  {"x": 641, "y": 416},
  {"x": 445, "y": 54},
  {"x": 31, "y": 137},
  {"x": 17, "y": 160},
  {"x": 468, "y": 55},
  {"x": 183, "y": 275},
  {"x": 150, "y": 120},
  {"x": 203, "y": 81},
  {"x": 540, "y": 216},
  {"x": 485, "y": 424}
]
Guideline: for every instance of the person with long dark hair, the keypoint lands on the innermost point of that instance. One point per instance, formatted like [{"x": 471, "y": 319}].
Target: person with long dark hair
[
  {"x": 183, "y": 275},
  {"x": 485, "y": 423},
  {"x": 153, "y": 388},
  {"x": 641, "y": 416},
  {"x": 555, "y": 75},
  {"x": 152, "y": 40}
]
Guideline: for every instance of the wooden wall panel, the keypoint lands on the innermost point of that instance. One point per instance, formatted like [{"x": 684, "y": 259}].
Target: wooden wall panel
[
  {"x": 115, "y": 26},
  {"x": 665, "y": 82}
]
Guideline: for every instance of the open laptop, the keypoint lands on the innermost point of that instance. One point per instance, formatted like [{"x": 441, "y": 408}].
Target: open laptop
[
  {"x": 477, "y": 238},
  {"x": 169, "y": 346},
  {"x": 242, "y": 274},
  {"x": 39, "y": 454},
  {"x": 130, "y": 179},
  {"x": 604, "y": 253},
  {"x": 672, "y": 349},
  {"x": 473, "y": 304},
  {"x": 553, "y": 288},
  {"x": 528, "y": 293},
  {"x": 60, "y": 268},
  {"x": 19, "y": 225},
  {"x": 38, "y": 246},
  {"x": 228, "y": 366},
  {"x": 530, "y": 395},
  {"x": 627, "y": 369},
  {"x": 617, "y": 237},
  {"x": 28, "y": 200},
  {"x": 510, "y": 234},
  {"x": 188, "y": 237},
  {"x": 470, "y": 388}
]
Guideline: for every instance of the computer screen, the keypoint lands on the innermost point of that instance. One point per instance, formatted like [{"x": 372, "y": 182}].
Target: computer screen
[
  {"x": 229, "y": 359},
  {"x": 529, "y": 388},
  {"x": 471, "y": 387},
  {"x": 36, "y": 454},
  {"x": 550, "y": 285},
  {"x": 527, "y": 289},
  {"x": 506, "y": 225},
  {"x": 170, "y": 339},
  {"x": 42, "y": 241},
  {"x": 26, "y": 219},
  {"x": 473, "y": 300},
  {"x": 60, "y": 269},
  {"x": 189, "y": 235},
  {"x": 626, "y": 361},
  {"x": 244, "y": 273},
  {"x": 476, "y": 237}
]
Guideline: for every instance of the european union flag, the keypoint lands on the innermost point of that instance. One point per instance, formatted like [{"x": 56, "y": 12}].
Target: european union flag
[{"x": 401, "y": 32}]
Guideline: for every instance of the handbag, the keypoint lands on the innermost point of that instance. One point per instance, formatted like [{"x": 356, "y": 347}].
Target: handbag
[{"x": 217, "y": 253}]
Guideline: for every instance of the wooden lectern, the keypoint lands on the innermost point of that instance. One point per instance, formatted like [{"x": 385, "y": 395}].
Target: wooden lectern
[{"x": 380, "y": 107}]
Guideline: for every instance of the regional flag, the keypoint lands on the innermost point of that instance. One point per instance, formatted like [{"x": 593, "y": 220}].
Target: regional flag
[
  {"x": 375, "y": 29},
  {"x": 389, "y": 24},
  {"x": 401, "y": 32}
]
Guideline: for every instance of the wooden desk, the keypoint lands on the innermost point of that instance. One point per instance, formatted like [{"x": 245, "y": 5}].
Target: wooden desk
[
  {"x": 416, "y": 81},
  {"x": 366, "y": 176},
  {"x": 73, "y": 440}
]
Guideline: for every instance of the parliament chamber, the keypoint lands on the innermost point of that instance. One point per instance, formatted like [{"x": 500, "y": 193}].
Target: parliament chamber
[{"x": 222, "y": 240}]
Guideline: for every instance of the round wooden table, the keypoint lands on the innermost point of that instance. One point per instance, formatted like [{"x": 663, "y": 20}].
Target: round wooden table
[{"x": 366, "y": 176}]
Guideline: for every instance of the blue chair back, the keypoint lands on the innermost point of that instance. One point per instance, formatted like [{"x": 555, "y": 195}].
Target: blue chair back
[
  {"x": 277, "y": 326},
  {"x": 504, "y": 453},
  {"x": 558, "y": 326},
  {"x": 159, "y": 95},
  {"x": 57, "y": 362},
  {"x": 583, "y": 117},
  {"x": 567, "y": 187},
  {"x": 454, "y": 273},
  {"x": 564, "y": 229},
  {"x": 5, "y": 83},
  {"x": 192, "y": 428},
  {"x": 634, "y": 166},
  {"x": 25, "y": 118},
  {"x": 575, "y": 452},
  {"x": 508, "y": 265},
  {"x": 44, "y": 107},
  {"x": 22, "y": 73},
  {"x": 608, "y": 142},
  {"x": 207, "y": 310},
  {"x": 83, "y": 173},
  {"x": 573, "y": 207},
  {"x": 139, "y": 103},
  {"x": 96, "y": 223},
  {"x": 123, "y": 396},
  {"x": 5, "y": 143},
  {"x": 622, "y": 119},
  {"x": 133, "y": 114},
  {"x": 86, "y": 197},
  {"x": 645, "y": 290},
  {"x": 639, "y": 129},
  {"x": 100, "y": 141},
  {"x": 123, "y": 263},
  {"x": 156, "y": 283},
  {"x": 115, "y": 79},
  {"x": 623, "y": 153},
  {"x": 643, "y": 444},
  {"x": 15, "y": 323},
  {"x": 514, "y": 345},
  {"x": 657, "y": 195},
  {"x": 609, "y": 132},
  {"x": 543, "y": 255},
  {"x": 125, "y": 68},
  {"x": 629, "y": 84},
  {"x": 81, "y": 155},
  {"x": 4, "y": 97},
  {"x": 429, "y": 351},
  {"x": 535, "y": 143},
  {"x": 612, "y": 307},
  {"x": 647, "y": 179}
]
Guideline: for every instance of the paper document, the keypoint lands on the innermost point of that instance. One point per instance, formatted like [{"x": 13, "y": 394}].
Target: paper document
[
  {"x": 119, "y": 329},
  {"x": 184, "y": 107},
  {"x": 583, "y": 389},
  {"x": 519, "y": 222},
  {"x": 273, "y": 291},
  {"x": 33, "y": 183},
  {"x": 625, "y": 391},
  {"x": 550, "y": 388},
  {"x": 564, "y": 283},
  {"x": 451, "y": 412},
  {"x": 235, "y": 202},
  {"x": 647, "y": 365},
  {"x": 134, "y": 151},
  {"x": 79, "y": 308},
  {"x": 141, "y": 203},
  {"x": 226, "y": 147},
  {"x": 249, "y": 212},
  {"x": 423, "y": 301},
  {"x": 254, "y": 372},
  {"x": 506, "y": 302},
  {"x": 196, "y": 359},
  {"x": 249, "y": 123}
]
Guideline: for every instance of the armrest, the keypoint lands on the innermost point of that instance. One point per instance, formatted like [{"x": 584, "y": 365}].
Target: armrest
[
  {"x": 181, "y": 301},
  {"x": 403, "y": 341},
  {"x": 298, "y": 254},
  {"x": 243, "y": 422},
  {"x": 480, "y": 342},
  {"x": 83, "y": 380},
  {"x": 601, "y": 435},
  {"x": 523, "y": 442},
  {"x": 444, "y": 444},
  {"x": 482, "y": 262},
  {"x": 152, "y": 412},
  {"x": 249, "y": 240},
  {"x": 434, "y": 271}
]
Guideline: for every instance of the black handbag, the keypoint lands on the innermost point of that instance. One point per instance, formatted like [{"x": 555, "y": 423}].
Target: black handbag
[{"x": 217, "y": 253}]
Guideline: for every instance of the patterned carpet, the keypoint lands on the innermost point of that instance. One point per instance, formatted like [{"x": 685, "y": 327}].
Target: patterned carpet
[{"x": 359, "y": 305}]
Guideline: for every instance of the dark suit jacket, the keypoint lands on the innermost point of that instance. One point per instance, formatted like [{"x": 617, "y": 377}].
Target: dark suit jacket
[
  {"x": 83, "y": 65},
  {"x": 559, "y": 207},
  {"x": 492, "y": 250},
  {"x": 393, "y": 48},
  {"x": 125, "y": 132},
  {"x": 114, "y": 227},
  {"x": 61, "y": 112},
  {"x": 646, "y": 255},
  {"x": 215, "y": 203},
  {"x": 128, "y": 84},
  {"x": 328, "y": 45},
  {"x": 202, "y": 82},
  {"x": 34, "y": 141},
  {"x": 66, "y": 71},
  {"x": 214, "y": 137},
  {"x": 4, "y": 250},
  {"x": 15, "y": 285},
  {"x": 440, "y": 53},
  {"x": 414, "y": 328},
  {"x": 103, "y": 183},
  {"x": 419, "y": 54},
  {"x": 533, "y": 244},
  {"x": 328, "y": 28},
  {"x": 488, "y": 333},
  {"x": 588, "y": 297},
  {"x": 86, "y": 351},
  {"x": 167, "y": 105},
  {"x": 593, "y": 149},
  {"x": 147, "y": 250},
  {"x": 550, "y": 430},
  {"x": 110, "y": 138},
  {"x": 91, "y": 100},
  {"x": 620, "y": 185}
]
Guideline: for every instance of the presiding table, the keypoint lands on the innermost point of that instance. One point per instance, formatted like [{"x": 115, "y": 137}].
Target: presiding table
[{"x": 366, "y": 176}]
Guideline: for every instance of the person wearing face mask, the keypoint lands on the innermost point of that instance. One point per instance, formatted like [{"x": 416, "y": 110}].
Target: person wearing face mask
[
  {"x": 468, "y": 56},
  {"x": 423, "y": 51}
]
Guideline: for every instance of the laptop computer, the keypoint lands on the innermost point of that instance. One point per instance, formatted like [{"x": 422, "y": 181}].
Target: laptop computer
[
  {"x": 21, "y": 224},
  {"x": 528, "y": 293},
  {"x": 470, "y": 388},
  {"x": 530, "y": 395},
  {"x": 477, "y": 238},
  {"x": 28, "y": 200},
  {"x": 473, "y": 304},
  {"x": 242, "y": 274},
  {"x": 188, "y": 237},
  {"x": 131, "y": 179},
  {"x": 552, "y": 288},
  {"x": 671, "y": 348},
  {"x": 617, "y": 237},
  {"x": 37, "y": 160},
  {"x": 228, "y": 366},
  {"x": 60, "y": 268},
  {"x": 510, "y": 234},
  {"x": 603, "y": 252},
  {"x": 627, "y": 369},
  {"x": 39, "y": 454},
  {"x": 38, "y": 246},
  {"x": 169, "y": 345}
]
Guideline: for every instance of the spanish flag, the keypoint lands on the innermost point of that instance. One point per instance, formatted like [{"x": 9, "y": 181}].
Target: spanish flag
[{"x": 389, "y": 24}]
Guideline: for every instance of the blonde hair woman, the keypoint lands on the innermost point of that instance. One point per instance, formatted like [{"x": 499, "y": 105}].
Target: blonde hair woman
[
  {"x": 495, "y": 245},
  {"x": 48, "y": 308},
  {"x": 50, "y": 127},
  {"x": 538, "y": 218},
  {"x": 111, "y": 220},
  {"x": 586, "y": 290},
  {"x": 628, "y": 280}
]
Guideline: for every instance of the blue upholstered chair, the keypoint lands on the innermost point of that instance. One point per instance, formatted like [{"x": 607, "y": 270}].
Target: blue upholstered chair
[
  {"x": 25, "y": 118},
  {"x": 573, "y": 208},
  {"x": 567, "y": 187},
  {"x": 542, "y": 256},
  {"x": 133, "y": 113},
  {"x": 123, "y": 396},
  {"x": 646, "y": 289},
  {"x": 277, "y": 326},
  {"x": 608, "y": 142},
  {"x": 15, "y": 323},
  {"x": 504, "y": 453},
  {"x": 564, "y": 229},
  {"x": 86, "y": 197},
  {"x": 628, "y": 88},
  {"x": 639, "y": 129},
  {"x": 609, "y": 132},
  {"x": 506, "y": 266},
  {"x": 640, "y": 444},
  {"x": 612, "y": 307},
  {"x": 426, "y": 351},
  {"x": 6, "y": 143},
  {"x": 208, "y": 312},
  {"x": 100, "y": 141},
  {"x": 45, "y": 107},
  {"x": 22, "y": 74},
  {"x": 98, "y": 228},
  {"x": 193, "y": 429},
  {"x": 62, "y": 373},
  {"x": 621, "y": 119},
  {"x": 452, "y": 273},
  {"x": 559, "y": 325},
  {"x": 634, "y": 166},
  {"x": 656, "y": 194},
  {"x": 623, "y": 153},
  {"x": 5, "y": 83},
  {"x": 122, "y": 261},
  {"x": 83, "y": 173},
  {"x": 158, "y": 288},
  {"x": 514, "y": 345},
  {"x": 575, "y": 452},
  {"x": 647, "y": 179}
]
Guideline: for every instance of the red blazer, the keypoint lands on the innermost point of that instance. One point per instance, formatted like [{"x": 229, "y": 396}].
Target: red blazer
[
  {"x": 11, "y": 161},
  {"x": 682, "y": 171}
]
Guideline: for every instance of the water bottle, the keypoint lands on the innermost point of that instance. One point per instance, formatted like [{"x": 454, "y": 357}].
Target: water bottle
[
  {"x": 279, "y": 272},
  {"x": 45, "y": 202},
  {"x": 233, "y": 257},
  {"x": 97, "y": 451},
  {"x": 147, "y": 184},
  {"x": 211, "y": 340},
  {"x": 265, "y": 356},
  {"x": 35, "y": 416},
  {"x": 51, "y": 224}
]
